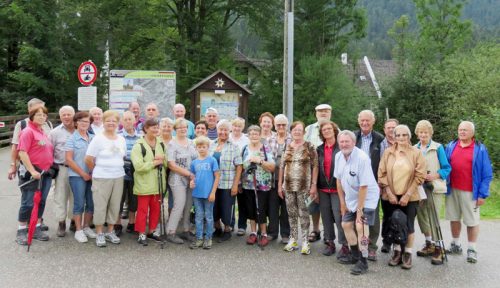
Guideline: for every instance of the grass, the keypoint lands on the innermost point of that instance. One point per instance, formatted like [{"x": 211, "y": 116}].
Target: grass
[{"x": 491, "y": 208}]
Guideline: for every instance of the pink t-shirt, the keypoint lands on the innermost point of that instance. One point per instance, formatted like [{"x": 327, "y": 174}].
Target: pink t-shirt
[{"x": 38, "y": 146}]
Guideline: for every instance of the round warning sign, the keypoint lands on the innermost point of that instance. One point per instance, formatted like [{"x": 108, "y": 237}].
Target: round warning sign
[{"x": 87, "y": 73}]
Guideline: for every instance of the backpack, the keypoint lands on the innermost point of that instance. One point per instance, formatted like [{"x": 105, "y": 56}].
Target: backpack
[
  {"x": 398, "y": 228},
  {"x": 129, "y": 166},
  {"x": 24, "y": 124}
]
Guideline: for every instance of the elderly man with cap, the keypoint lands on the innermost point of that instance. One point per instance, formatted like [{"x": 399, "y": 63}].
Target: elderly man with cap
[
  {"x": 212, "y": 117},
  {"x": 323, "y": 113},
  {"x": 180, "y": 113}
]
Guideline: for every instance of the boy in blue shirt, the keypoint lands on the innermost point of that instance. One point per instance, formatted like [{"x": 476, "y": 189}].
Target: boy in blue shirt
[{"x": 204, "y": 185}]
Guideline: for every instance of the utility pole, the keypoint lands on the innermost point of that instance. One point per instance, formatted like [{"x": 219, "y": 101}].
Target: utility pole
[{"x": 288, "y": 61}]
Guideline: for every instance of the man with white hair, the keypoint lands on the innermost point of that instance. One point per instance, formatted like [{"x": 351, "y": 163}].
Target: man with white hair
[
  {"x": 135, "y": 108},
  {"x": 369, "y": 141},
  {"x": 180, "y": 113},
  {"x": 63, "y": 198},
  {"x": 323, "y": 113},
  {"x": 468, "y": 187},
  {"x": 212, "y": 117},
  {"x": 359, "y": 194}
]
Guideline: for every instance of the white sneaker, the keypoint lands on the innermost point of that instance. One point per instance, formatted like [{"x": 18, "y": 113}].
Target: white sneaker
[
  {"x": 89, "y": 233},
  {"x": 80, "y": 236},
  {"x": 100, "y": 241},
  {"x": 111, "y": 237}
]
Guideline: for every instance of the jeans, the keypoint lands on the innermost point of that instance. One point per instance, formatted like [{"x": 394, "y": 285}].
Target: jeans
[
  {"x": 204, "y": 210},
  {"x": 28, "y": 192},
  {"x": 278, "y": 216},
  {"x": 82, "y": 195}
]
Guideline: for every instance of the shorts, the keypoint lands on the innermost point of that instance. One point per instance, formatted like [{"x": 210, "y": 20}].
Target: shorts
[
  {"x": 461, "y": 206},
  {"x": 367, "y": 212}
]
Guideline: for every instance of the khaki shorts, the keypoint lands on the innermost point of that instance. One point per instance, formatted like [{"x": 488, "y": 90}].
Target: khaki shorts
[{"x": 460, "y": 205}]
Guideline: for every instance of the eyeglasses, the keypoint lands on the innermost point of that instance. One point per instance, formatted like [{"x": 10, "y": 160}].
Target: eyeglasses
[
  {"x": 84, "y": 121},
  {"x": 401, "y": 135},
  {"x": 280, "y": 125}
]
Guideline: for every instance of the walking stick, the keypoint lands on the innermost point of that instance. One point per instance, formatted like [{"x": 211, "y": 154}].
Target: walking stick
[
  {"x": 257, "y": 208},
  {"x": 162, "y": 209},
  {"x": 435, "y": 215}
]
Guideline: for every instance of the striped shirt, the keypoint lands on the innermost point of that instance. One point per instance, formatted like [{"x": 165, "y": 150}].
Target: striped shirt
[
  {"x": 229, "y": 159},
  {"x": 366, "y": 140}
]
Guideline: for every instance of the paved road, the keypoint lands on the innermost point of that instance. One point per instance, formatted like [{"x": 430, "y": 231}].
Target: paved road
[{"x": 62, "y": 262}]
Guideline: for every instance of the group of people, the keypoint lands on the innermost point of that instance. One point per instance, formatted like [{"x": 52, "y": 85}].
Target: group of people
[{"x": 277, "y": 179}]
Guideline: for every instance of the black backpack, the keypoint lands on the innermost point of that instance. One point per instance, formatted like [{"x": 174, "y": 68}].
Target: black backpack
[{"x": 398, "y": 228}]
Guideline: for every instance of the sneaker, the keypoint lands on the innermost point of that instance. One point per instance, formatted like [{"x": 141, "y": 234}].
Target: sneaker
[
  {"x": 241, "y": 232},
  {"x": 207, "y": 244},
  {"x": 61, "y": 229},
  {"x": 196, "y": 244},
  {"x": 100, "y": 240},
  {"x": 111, "y": 237},
  {"x": 264, "y": 240},
  {"x": 455, "y": 249},
  {"x": 271, "y": 237},
  {"x": 306, "y": 248},
  {"x": 406, "y": 259},
  {"x": 343, "y": 252},
  {"x": 252, "y": 239},
  {"x": 291, "y": 246},
  {"x": 142, "y": 240},
  {"x": 372, "y": 255},
  {"x": 22, "y": 236},
  {"x": 186, "y": 236},
  {"x": 44, "y": 227},
  {"x": 471, "y": 256},
  {"x": 437, "y": 257},
  {"x": 396, "y": 258},
  {"x": 72, "y": 226},
  {"x": 40, "y": 235},
  {"x": 80, "y": 236},
  {"x": 347, "y": 259},
  {"x": 174, "y": 239},
  {"x": 285, "y": 239},
  {"x": 130, "y": 228},
  {"x": 118, "y": 229},
  {"x": 89, "y": 233},
  {"x": 361, "y": 267},
  {"x": 154, "y": 237},
  {"x": 329, "y": 249},
  {"x": 427, "y": 250},
  {"x": 385, "y": 248},
  {"x": 225, "y": 236}
]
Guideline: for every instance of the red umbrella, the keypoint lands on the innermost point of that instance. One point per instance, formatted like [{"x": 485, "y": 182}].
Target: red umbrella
[{"x": 34, "y": 212}]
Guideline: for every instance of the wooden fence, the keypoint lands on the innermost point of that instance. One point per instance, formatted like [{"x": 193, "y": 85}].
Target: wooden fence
[{"x": 10, "y": 123}]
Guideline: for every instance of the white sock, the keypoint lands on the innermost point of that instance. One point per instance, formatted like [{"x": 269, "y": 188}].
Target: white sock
[
  {"x": 397, "y": 247},
  {"x": 21, "y": 227},
  {"x": 472, "y": 246},
  {"x": 38, "y": 224},
  {"x": 408, "y": 250},
  {"x": 428, "y": 238},
  {"x": 455, "y": 241}
]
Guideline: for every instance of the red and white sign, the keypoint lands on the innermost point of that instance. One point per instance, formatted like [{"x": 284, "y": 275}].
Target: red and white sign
[
  {"x": 87, "y": 73},
  {"x": 2, "y": 124}
]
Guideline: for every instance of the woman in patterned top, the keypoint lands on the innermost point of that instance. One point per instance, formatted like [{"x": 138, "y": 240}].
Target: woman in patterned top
[
  {"x": 297, "y": 181},
  {"x": 258, "y": 165}
]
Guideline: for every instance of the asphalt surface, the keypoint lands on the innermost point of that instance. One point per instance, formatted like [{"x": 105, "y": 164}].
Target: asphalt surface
[{"x": 63, "y": 262}]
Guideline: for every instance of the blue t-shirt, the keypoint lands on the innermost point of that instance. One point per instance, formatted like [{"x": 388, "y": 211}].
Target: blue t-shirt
[{"x": 204, "y": 176}]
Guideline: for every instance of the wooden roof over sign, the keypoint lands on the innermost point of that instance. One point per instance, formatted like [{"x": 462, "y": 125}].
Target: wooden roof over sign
[{"x": 219, "y": 80}]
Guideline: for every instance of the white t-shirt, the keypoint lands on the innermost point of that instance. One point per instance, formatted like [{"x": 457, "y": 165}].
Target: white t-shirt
[
  {"x": 108, "y": 156},
  {"x": 242, "y": 142},
  {"x": 354, "y": 172}
]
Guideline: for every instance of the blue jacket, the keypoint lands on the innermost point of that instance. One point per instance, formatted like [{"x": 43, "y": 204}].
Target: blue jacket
[{"x": 482, "y": 172}]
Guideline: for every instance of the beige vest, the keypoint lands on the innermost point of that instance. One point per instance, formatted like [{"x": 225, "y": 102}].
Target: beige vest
[{"x": 431, "y": 157}]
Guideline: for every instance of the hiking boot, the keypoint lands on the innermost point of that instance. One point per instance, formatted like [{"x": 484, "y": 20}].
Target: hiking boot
[
  {"x": 329, "y": 248},
  {"x": 111, "y": 237},
  {"x": 427, "y": 250},
  {"x": 349, "y": 258},
  {"x": 454, "y": 249},
  {"x": 72, "y": 226},
  {"x": 142, "y": 240},
  {"x": 225, "y": 236},
  {"x": 198, "y": 243},
  {"x": 252, "y": 239},
  {"x": 471, "y": 256},
  {"x": 22, "y": 236},
  {"x": 361, "y": 267},
  {"x": 40, "y": 235},
  {"x": 372, "y": 255},
  {"x": 130, "y": 228},
  {"x": 437, "y": 257},
  {"x": 81, "y": 237},
  {"x": 264, "y": 240},
  {"x": 100, "y": 240},
  {"x": 291, "y": 246},
  {"x": 89, "y": 233},
  {"x": 61, "y": 229},
  {"x": 306, "y": 248},
  {"x": 218, "y": 232},
  {"x": 396, "y": 258},
  {"x": 174, "y": 239},
  {"x": 154, "y": 237},
  {"x": 207, "y": 244},
  {"x": 406, "y": 259},
  {"x": 118, "y": 229},
  {"x": 343, "y": 252},
  {"x": 385, "y": 248}
]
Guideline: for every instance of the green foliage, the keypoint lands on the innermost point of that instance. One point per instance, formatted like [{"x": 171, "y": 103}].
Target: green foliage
[{"x": 491, "y": 208}]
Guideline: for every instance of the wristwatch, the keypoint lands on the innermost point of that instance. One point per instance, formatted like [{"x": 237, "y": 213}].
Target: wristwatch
[{"x": 261, "y": 162}]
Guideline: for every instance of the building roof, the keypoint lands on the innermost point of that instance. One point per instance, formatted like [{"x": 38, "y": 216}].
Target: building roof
[{"x": 212, "y": 75}]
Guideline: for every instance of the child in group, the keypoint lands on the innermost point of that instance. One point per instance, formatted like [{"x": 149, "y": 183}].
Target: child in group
[{"x": 205, "y": 182}]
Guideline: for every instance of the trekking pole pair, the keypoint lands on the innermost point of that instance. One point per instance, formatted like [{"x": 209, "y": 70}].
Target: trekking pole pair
[
  {"x": 162, "y": 209},
  {"x": 435, "y": 219}
]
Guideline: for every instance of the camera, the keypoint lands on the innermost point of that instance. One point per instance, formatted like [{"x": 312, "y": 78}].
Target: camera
[{"x": 251, "y": 169}]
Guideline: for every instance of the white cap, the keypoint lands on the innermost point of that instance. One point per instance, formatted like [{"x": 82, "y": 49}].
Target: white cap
[{"x": 323, "y": 107}]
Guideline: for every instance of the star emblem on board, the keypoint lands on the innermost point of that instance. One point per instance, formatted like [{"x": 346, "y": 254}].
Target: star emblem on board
[{"x": 219, "y": 83}]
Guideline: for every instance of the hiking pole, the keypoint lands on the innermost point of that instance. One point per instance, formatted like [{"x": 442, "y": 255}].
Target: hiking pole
[
  {"x": 257, "y": 209},
  {"x": 162, "y": 209},
  {"x": 435, "y": 215}
]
